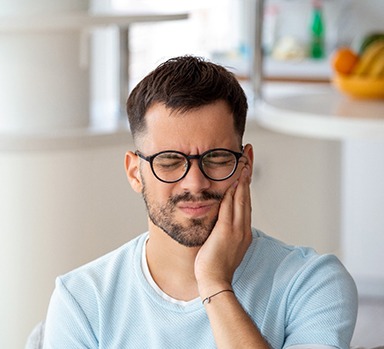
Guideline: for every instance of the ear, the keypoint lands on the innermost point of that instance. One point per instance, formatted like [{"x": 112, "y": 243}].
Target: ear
[
  {"x": 132, "y": 169},
  {"x": 248, "y": 153}
]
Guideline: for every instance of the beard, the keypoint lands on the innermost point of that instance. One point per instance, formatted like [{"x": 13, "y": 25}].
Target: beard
[{"x": 191, "y": 234}]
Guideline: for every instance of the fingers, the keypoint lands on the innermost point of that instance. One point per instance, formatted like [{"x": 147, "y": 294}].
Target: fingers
[
  {"x": 226, "y": 207},
  {"x": 242, "y": 203},
  {"x": 235, "y": 209}
]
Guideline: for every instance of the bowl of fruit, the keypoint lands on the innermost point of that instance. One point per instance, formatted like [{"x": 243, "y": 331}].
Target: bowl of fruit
[{"x": 360, "y": 73}]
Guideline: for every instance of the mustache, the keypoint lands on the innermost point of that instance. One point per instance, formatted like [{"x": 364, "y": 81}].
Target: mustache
[{"x": 204, "y": 196}]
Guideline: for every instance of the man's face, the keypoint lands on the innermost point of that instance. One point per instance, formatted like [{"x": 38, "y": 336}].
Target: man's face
[{"x": 186, "y": 210}]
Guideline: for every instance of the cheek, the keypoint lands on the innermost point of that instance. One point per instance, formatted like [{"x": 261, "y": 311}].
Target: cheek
[{"x": 155, "y": 190}]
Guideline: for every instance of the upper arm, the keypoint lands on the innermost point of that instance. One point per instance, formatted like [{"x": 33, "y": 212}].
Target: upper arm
[
  {"x": 322, "y": 305},
  {"x": 67, "y": 325}
]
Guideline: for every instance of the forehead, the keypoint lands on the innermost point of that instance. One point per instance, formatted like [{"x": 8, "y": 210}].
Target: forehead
[{"x": 196, "y": 130}]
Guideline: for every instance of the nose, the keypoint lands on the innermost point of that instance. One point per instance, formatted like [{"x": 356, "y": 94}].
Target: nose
[{"x": 195, "y": 181}]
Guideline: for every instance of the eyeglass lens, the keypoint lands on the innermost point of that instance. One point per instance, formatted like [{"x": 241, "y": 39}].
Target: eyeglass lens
[{"x": 171, "y": 166}]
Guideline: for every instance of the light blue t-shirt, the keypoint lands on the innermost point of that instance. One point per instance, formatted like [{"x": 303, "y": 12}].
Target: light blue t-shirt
[{"x": 293, "y": 295}]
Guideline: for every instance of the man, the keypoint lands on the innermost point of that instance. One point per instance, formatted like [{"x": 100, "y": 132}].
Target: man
[{"x": 201, "y": 277}]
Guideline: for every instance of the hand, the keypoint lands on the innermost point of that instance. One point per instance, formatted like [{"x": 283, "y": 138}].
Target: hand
[{"x": 225, "y": 248}]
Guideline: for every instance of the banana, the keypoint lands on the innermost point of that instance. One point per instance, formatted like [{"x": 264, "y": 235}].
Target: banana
[
  {"x": 376, "y": 69},
  {"x": 369, "y": 39},
  {"x": 368, "y": 57}
]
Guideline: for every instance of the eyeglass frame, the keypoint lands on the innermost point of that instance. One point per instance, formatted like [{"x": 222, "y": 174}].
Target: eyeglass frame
[{"x": 197, "y": 157}]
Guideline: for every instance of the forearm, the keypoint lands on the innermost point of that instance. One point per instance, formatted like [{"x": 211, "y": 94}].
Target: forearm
[{"x": 231, "y": 326}]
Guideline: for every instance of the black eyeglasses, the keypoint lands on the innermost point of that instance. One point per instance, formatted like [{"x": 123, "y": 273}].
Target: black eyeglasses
[{"x": 171, "y": 166}]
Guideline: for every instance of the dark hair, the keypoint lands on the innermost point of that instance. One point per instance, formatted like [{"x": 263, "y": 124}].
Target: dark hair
[{"x": 184, "y": 83}]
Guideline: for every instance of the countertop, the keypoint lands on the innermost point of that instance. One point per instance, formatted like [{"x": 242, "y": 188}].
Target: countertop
[
  {"x": 320, "y": 111},
  {"x": 72, "y": 21},
  {"x": 306, "y": 70}
]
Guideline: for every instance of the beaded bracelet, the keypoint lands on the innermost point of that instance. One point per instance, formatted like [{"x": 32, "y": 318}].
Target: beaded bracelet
[{"x": 208, "y": 299}]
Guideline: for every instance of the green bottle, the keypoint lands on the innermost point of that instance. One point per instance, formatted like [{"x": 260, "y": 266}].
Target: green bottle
[{"x": 317, "y": 49}]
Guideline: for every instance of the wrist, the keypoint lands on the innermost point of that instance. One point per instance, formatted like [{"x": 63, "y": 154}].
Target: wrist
[
  {"x": 207, "y": 290},
  {"x": 207, "y": 300}
]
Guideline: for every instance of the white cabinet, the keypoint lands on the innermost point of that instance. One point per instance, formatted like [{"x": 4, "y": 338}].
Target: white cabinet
[
  {"x": 63, "y": 202},
  {"x": 295, "y": 189}
]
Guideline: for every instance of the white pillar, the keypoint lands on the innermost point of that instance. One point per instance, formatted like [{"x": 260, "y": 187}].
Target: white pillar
[
  {"x": 28, "y": 7},
  {"x": 362, "y": 214},
  {"x": 44, "y": 81}
]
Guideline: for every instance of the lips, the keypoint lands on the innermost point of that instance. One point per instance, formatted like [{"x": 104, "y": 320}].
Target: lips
[{"x": 196, "y": 209}]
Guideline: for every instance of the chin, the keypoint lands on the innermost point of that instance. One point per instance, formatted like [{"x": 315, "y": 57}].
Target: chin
[{"x": 195, "y": 234}]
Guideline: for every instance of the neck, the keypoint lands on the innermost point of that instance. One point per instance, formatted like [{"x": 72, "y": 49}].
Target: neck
[{"x": 171, "y": 265}]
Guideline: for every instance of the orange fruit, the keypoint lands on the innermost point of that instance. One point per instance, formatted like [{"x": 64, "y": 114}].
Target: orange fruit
[{"x": 343, "y": 60}]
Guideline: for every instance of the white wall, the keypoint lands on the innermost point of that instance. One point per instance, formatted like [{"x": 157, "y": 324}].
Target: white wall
[{"x": 345, "y": 20}]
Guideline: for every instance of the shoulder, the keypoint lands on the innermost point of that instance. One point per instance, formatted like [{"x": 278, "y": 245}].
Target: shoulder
[
  {"x": 98, "y": 274},
  {"x": 276, "y": 255},
  {"x": 294, "y": 266},
  {"x": 284, "y": 256},
  {"x": 82, "y": 295}
]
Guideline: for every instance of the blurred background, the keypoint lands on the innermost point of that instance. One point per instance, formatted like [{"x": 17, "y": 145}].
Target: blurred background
[{"x": 66, "y": 68}]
